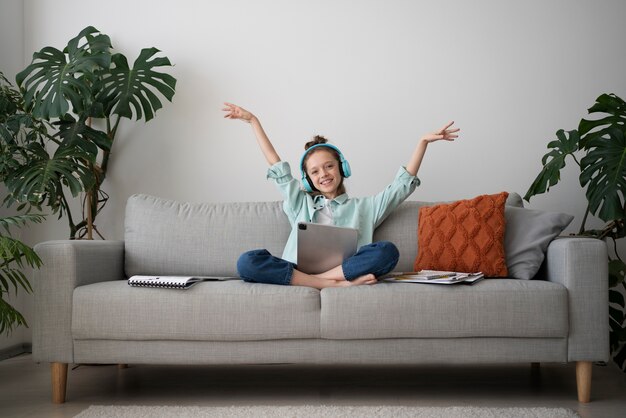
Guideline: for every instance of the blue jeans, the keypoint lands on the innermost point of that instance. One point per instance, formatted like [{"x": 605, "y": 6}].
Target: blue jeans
[{"x": 259, "y": 266}]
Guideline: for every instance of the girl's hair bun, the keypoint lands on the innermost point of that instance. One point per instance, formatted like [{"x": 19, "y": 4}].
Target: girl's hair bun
[{"x": 317, "y": 139}]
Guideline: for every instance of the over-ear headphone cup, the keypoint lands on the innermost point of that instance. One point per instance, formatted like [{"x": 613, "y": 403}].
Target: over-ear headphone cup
[
  {"x": 345, "y": 168},
  {"x": 306, "y": 184}
]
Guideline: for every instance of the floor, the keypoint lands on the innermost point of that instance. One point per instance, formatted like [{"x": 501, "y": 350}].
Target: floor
[{"x": 25, "y": 386}]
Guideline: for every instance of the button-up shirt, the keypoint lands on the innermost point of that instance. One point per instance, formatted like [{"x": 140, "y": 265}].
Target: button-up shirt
[{"x": 361, "y": 213}]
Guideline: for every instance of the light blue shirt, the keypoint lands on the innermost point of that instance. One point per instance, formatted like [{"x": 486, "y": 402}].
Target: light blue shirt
[{"x": 362, "y": 213}]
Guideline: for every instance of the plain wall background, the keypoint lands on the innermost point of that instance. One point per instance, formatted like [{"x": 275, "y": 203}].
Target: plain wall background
[{"x": 372, "y": 76}]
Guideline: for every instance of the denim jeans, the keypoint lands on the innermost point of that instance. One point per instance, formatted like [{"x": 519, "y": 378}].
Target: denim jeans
[{"x": 259, "y": 266}]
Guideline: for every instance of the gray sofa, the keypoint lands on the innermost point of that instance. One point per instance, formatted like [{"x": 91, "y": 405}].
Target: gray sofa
[{"x": 85, "y": 312}]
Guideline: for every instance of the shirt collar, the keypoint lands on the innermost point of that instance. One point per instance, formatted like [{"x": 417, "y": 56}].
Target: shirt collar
[{"x": 341, "y": 199}]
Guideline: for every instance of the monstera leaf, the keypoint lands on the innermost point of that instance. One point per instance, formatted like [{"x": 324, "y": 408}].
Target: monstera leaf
[
  {"x": 609, "y": 104},
  {"x": 124, "y": 87},
  {"x": 604, "y": 174},
  {"x": 43, "y": 177},
  {"x": 77, "y": 133},
  {"x": 56, "y": 78},
  {"x": 47, "y": 140},
  {"x": 553, "y": 162}
]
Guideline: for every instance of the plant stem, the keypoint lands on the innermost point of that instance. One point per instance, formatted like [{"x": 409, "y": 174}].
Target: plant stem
[
  {"x": 89, "y": 215},
  {"x": 615, "y": 250},
  {"x": 582, "y": 225},
  {"x": 69, "y": 216},
  {"x": 80, "y": 225},
  {"x": 111, "y": 133}
]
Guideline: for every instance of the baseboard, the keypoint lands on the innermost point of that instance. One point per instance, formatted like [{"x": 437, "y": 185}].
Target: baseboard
[{"x": 15, "y": 350}]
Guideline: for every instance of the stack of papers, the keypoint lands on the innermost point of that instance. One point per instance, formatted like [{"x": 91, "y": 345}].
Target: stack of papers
[{"x": 434, "y": 277}]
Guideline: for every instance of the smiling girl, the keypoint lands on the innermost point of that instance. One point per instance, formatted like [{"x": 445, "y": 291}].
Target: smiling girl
[{"x": 320, "y": 197}]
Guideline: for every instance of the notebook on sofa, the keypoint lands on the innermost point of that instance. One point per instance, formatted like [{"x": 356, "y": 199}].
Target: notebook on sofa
[
  {"x": 322, "y": 247},
  {"x": 172, "y": 282}
]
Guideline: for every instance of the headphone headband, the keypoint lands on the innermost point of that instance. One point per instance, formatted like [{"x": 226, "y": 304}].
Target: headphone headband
[{"x": 344, "y": 167}]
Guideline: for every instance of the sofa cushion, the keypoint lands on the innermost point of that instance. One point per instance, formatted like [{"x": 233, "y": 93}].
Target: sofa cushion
[
  {"x": 401, "y": 226},
  {"x": 528, "y": 234},
  {"x": 187, "y": 239},
  {"x": 490, "y": 308},
  {"x": 209, "y": 311},
  {"x": 466, "y": 235}
]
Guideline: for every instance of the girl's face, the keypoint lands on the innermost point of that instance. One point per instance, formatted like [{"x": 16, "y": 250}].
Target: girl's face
[{"x": 323, "y": 170}]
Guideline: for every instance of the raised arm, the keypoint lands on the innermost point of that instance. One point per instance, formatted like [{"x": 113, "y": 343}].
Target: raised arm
[
  {"x": 444, "y": 133},
  {"x": 236, "y": 112}
]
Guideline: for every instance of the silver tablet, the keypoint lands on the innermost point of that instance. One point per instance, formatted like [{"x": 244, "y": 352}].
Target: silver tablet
[{"x": 322, "y": 247}]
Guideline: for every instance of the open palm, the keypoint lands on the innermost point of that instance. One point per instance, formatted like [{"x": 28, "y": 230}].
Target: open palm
[
  {"x": 236, "y": 112},
  {"x": 444, "y": 133}
]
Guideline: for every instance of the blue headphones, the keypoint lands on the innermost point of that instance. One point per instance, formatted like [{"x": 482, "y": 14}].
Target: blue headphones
[{"x": 344, "y": 167}]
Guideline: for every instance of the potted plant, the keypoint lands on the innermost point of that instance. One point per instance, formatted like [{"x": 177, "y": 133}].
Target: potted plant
[
  {"x": 601, "y": 146},
  {"x": 14, "y": 256},
  {"x": 58, "y": 129}
]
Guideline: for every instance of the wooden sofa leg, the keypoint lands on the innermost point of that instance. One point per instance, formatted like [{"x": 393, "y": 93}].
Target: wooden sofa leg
[
  {"x": 583, "y": 380},
  {"x": 59, "y": 381}
]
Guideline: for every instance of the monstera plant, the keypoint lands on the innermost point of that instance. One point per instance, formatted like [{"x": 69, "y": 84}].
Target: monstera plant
[
  {"x": 58, "y": 129},
  {"x": 601, "y": 146}
]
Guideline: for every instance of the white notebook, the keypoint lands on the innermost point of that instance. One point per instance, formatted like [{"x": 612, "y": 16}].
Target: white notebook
[{"x": 172, "y": 282}]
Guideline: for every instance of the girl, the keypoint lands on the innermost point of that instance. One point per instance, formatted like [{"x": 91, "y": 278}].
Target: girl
[{"x": 324, "y": 200}]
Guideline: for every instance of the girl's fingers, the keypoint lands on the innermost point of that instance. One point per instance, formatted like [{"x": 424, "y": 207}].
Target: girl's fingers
[{"x": 447, "y": 126}]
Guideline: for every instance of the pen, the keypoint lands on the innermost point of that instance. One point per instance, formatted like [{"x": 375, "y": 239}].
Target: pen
[{"x": 432, "y": 276}]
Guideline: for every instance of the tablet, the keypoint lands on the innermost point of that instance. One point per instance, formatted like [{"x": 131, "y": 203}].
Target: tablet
[{"x": 322, "y": 247}]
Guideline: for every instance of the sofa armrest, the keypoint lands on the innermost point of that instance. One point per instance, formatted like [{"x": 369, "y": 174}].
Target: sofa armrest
[
  {"x": 67, "y": 265},
  {"x": 581, "y": 265}
]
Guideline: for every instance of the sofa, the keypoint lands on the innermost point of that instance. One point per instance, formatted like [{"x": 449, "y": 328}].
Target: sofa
[{"x": 85, "y": 311}]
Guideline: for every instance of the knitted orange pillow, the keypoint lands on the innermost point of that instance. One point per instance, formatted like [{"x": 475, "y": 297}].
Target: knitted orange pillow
[{"x": 466, "y": 236}]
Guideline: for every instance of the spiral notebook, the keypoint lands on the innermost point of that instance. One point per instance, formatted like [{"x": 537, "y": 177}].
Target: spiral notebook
[{"x": 172, "y": 282}]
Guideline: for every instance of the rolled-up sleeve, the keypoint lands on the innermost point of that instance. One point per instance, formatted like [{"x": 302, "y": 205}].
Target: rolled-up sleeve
[
  {"x": 395, "y": 193},
  {"x": 294, "y": 196},
  {"x": 280, "y": 172}
]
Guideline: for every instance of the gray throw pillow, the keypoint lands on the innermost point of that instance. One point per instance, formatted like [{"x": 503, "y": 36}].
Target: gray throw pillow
[{"x": 527, "y": 236}]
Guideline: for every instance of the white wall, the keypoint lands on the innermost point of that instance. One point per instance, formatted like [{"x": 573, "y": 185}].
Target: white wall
[{"x": 370, "y": 75}]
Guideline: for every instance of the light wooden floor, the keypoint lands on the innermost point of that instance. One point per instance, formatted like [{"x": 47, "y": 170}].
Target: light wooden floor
[{"x": 25, "y": 387}]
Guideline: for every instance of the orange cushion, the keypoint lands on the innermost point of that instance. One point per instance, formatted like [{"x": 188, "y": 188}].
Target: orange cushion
[{"x": 465, "y": 236}]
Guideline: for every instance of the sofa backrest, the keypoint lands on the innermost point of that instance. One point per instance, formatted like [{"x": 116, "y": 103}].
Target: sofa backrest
[{"x": 168, "y": 237}]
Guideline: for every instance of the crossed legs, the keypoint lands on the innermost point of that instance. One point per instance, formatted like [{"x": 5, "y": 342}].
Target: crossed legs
[
  {"x": 331, "y": 278},
  {"x": 371, "y": 261}
]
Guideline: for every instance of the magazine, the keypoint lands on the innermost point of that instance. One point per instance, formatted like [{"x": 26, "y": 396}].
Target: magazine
[{"x": 434, "y": 277}]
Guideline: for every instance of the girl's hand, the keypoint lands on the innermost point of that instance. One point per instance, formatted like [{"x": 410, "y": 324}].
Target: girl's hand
[
  {"x": 444, "y": 133},
  {"x": 236, "y": 112}
]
